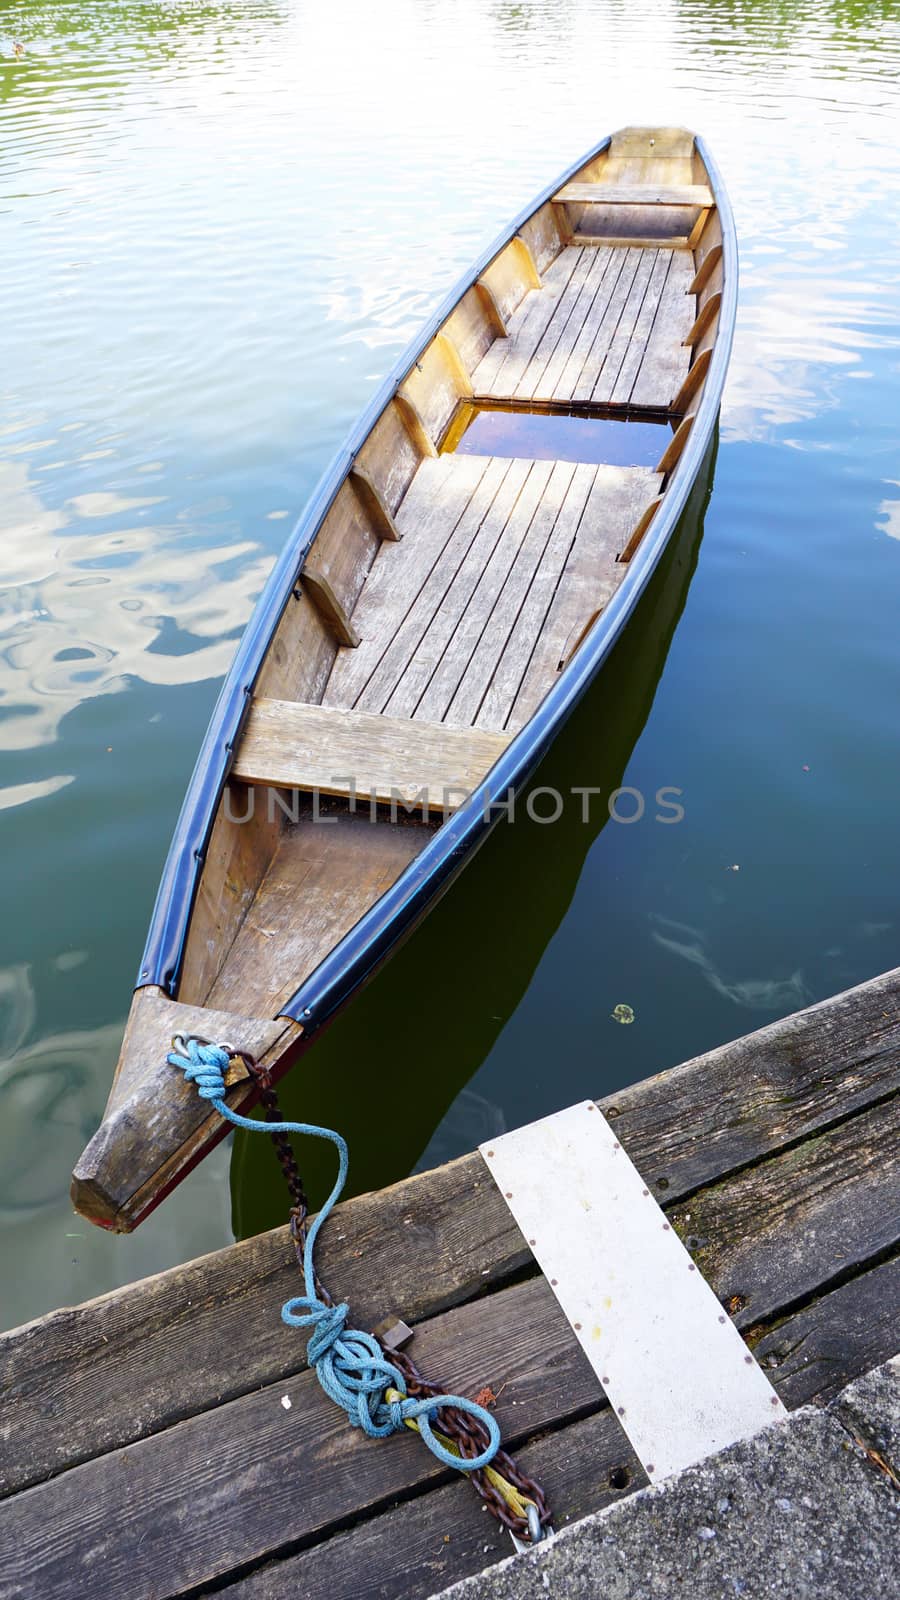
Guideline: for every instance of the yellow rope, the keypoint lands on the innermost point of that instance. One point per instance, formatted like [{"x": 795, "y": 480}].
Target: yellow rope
[{"x": 517, "y": 1502}]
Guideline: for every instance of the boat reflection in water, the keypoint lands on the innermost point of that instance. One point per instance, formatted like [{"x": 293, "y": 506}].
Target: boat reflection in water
[{"x": 390, "y": 1066}]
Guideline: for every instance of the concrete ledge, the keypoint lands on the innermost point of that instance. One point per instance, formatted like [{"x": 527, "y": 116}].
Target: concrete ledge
[
  {"x": 870, "y": 1411},
  {"x": 803, "y": 1510}
]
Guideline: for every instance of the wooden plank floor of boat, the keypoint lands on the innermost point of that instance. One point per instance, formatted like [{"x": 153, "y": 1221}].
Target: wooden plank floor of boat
[
  {"x": 466, "y": 620},
  {"x": 148, "y": 1450},
  {"x": 606, "y": 328}
]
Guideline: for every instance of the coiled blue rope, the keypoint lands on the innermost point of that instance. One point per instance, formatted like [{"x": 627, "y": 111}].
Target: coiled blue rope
[{"x": 349, "y": 1364}]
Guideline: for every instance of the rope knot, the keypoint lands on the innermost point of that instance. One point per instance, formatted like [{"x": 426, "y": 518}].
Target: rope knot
[
  {"x": 327, "y": 1323},
  {"x": 202, "y": 1064}
]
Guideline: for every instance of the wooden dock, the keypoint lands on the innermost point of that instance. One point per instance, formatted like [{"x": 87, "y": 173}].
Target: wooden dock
[{"x": 148, "y": 1449}]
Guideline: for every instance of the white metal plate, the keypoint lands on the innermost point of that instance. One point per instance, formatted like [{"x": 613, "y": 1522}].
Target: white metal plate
[{"x": 673, "y": 1365}]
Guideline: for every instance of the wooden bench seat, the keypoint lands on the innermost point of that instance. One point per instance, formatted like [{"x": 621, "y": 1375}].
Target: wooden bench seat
[
  {"x": 296, "y": 746},
  {"x": 634, "y": 194}
]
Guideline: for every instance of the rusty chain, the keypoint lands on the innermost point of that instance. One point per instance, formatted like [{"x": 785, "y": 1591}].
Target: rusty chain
[{"x": 467, "y": 1433}]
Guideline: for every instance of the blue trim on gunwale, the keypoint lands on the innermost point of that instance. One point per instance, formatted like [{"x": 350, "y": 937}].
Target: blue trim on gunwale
[{"x": 367, "y": 944}]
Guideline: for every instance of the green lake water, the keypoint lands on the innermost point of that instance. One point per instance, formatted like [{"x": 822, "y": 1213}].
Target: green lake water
[{"x": 219, "y": 224}]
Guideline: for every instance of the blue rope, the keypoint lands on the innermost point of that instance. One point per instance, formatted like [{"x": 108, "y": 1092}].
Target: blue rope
[{"x": 349, "y": 1364}]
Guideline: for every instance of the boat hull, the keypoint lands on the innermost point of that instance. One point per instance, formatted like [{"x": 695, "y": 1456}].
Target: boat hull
[{"x": 152, "y": 1132}]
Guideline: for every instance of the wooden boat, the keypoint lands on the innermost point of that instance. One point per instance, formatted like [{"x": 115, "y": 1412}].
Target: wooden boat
[{"x": 452, "y": 588}]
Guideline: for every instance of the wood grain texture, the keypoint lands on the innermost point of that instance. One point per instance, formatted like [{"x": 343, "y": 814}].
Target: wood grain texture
[
  {"x": 330, "y": 867},
  {"x": 542, "y": 236},
  {"x": 127, "y": 1507},
  {"x": 460, "y": 626},
  {"x": 776, "y": 1233},
  {"x": 304, "y": 645},
  {"x": 525, "y": 328},
  {"x": 705, "y": 319},
  {"x": 390, "y": 457},
  {"x": 637, "y": 241},
  {"x": 155, "y": 1123},
  {"x": 329, "y": 607},
  {"x": 672, "y": 453},
  {"x": 497, "y": 602},
  {"x": 530, "y": 376},
  {"x": 509, "y": 277},
  {"x": 590, "y": 576},
  {"x": 442, "y": 493},
  {"x": 651, "y": 144},
  {"x": 812, "y": 1354},
  {"x": 425, "y": 1544},
  {"x": 770, "y": 1088},
  {"x": 603, "y": 332},
  {"x": 505, "y": 682},
  {"x": 564, "y": 225},
  {"x": 505, "y": 642},
  {"x": 706, "y": 268},
  {"x": 697, "y": 231},
  {"x": 432, "y": 389},
  {"x": 526, "y": 257},
  {"x": 615, "y": 264},
  {"x": 470, "y": 329},
  {"x": 609, "y": 320},
  {"x": 301, "y": 653},
  {"x": 133, "y": 1510},
  {"x": 692, "y": 383},
  {"x": 618, "y": 378},
  {"x": 415, "y": 424},
  {"x": 444, "y": 1535},
  {"x": 685, "y": 1129},
  {"x": 237, "y": 858},
  {"x": 375, "y": 506},
  {"x": 614, "y": 194},
  {"x": 640, "y": 529},
  {"x": 665, "y": 361},
  {"x": 633, "y": 327},
  {"x": 624, "y": 194},
  {"x": 492, "y": 308},
  {"x": 351, "y": 752},
  {"x": 418, "y": 621},
  {"x": 418, "y": 681}
]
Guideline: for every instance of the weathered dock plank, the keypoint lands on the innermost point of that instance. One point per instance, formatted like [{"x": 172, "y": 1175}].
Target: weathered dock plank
[
  {"x": 809, "y": 1358},
  {"x": 212, "y": 1329},
  {"x": 777, "y": 1232},
  {"x": 144, "y": 1434},
  {"x": 517, "y": 1340},
  {"x": 813, "y": 1353},
  {"x": 417, "y": 1548}
]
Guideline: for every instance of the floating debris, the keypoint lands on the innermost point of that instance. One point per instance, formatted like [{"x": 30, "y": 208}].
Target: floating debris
[{"x": 622, "y": 1013}]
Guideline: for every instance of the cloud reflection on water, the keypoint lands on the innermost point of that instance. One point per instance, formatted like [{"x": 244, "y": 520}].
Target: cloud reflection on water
[{"x": 83, "y": 611}]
